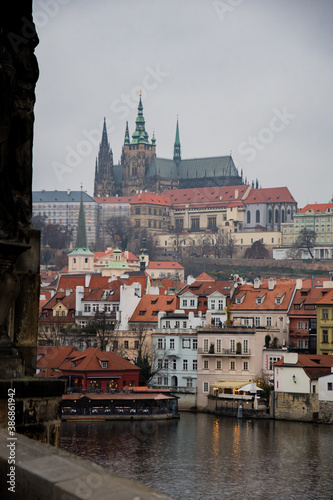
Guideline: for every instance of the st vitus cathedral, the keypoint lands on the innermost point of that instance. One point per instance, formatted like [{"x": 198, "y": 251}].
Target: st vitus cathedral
[{"x": 140, "y": 169}]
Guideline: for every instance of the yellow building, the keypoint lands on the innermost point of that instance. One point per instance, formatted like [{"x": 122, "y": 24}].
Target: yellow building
[{"x": 325, "y": 323}]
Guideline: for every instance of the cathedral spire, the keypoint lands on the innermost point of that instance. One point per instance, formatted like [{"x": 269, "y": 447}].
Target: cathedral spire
[
  {"x": 140, "y": 135},
  {"x": 127, "y": 139},
  {"x": 105, "y": 142},
  {"x": 176, "y": 148}
]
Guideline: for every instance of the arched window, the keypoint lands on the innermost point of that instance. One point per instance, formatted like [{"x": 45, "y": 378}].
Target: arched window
[
  {"x": 257, "y": 216},
  {"x": 248, "y": 217},
  {"x": 282, "y": 215},
  {"x": 269, "y": 216},
  {"x": 276, "y": 215}
]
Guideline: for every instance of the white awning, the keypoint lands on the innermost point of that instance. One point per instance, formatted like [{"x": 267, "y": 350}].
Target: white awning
[{"x": 250, "y": 388}]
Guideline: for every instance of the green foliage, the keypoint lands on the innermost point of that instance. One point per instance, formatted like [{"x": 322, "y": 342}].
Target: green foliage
[
  {"x": 267, "y": 341},
  {"x": 263, "y": 382},
  {"x": 146, "y": 371},
  {"x": 256, "y": 251}
]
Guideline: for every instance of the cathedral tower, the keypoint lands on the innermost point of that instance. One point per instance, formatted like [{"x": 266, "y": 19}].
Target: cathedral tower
[
  {"x": 136, "y": 156},
  {"x": 176, "y": 149},
  {"x": 104, "y": 178}
]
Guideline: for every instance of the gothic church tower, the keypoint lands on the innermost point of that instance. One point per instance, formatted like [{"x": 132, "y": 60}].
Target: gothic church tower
[
  {"x": 136, "y": 156},
  {"x": 104, "y": 178}
]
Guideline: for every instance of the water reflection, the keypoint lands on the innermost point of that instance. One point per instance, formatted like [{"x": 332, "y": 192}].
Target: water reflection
[{"x": 212, "y": 458}]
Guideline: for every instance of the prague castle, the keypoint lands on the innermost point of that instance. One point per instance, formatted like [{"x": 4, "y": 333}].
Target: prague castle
[{"x": 141, "y": 169}]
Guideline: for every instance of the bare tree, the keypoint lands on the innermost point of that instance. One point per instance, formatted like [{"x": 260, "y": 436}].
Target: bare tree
[
  {"x": 306, "y": 240},
  {"x": 119, "y": 230}
]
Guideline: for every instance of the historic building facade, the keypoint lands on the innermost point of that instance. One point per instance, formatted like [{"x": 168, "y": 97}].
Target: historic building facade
[{"x": 141, "y": 169}]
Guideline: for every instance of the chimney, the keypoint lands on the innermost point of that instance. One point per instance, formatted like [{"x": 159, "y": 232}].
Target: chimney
[
  {"x": 257, "y": 283},
  {"x": 68, "y": 292},
  {"x": 271, "y": 283},
  {"x": 236, "y": 194},
  {"x": 79, "y": 294},
  {"x": 299, "y": 283},
  {"x": 87, "y": 280},
  {"x": 68, "y": 192}
]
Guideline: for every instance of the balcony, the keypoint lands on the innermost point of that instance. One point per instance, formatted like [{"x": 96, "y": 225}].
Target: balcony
[{"x": 225, "y": 352}]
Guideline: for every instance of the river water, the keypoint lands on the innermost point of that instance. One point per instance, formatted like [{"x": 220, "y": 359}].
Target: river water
[{"x": 204, "y": 457}]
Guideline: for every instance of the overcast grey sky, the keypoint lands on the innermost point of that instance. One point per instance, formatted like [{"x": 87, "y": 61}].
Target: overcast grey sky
[{"x": 249, "y": 76}]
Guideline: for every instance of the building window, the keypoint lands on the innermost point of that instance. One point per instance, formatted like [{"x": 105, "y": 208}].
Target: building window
[
  {"x": 195, "y": 344},
  {"x": 212, "y": 304},
  {"x": 232, "y": 345},
  {"x": 125, "y": 344},
  {"x": 212, "y": 222},
  {"x": 159, "y": 364},
  {"x": 276, "y": 216},
  {"x": 172, "y": 343},
  {"x": 192, "y": 302},
  {"x": 189, "y": 382},
  {"x": 218, "y": 345},
  {"x": 166, "y": 364},
  {"x": 245, "y": 346},
  {"x": 232, "y": 365},
  {"x": 205, "y": 345},
  {"x": 195, "y": 364},
  {"x": 159, "y": 381},
  {"x": 160, "y": 343},
  {"x": 136, "y": 344},
  {"x": 220, "y": 304},
  {"x": 165, "y": 381},
  {"x": 257, "y": 320},
  {"x": 205, "y": 365},
  {"x": 245, "y": 365},
  {"x": 299, "y": 325},
  {"x": 137, "y": 210},
  {"x": 218, "y": 365},
  {"x": 300, "y": 344},
  {"x": 179, "y": 223},
  {"x": 248, "y": 217},
  {"x": 330, "y": 386},
  {"x": 186, "y": 343},
  {"x": 185, "y": 364},
  {"x": 325, "y": 313},
  {"x": 269, "y": 321},
  {"x": 205, "y": 387},
  {"x": 104, "y": 364},
  {"x": 184, "y": 302},
  {"x": 137, "y": 223},
  {"x": 195, "y": 223},
  {"x": 174, "y": 364},
  {"x": 325, "y": 336},
  {"x": 184, "y": 324}
]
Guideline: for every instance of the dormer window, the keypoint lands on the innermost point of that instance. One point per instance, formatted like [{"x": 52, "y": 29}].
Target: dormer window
[
  {"x": 259, "y": 300},
  {"x": 104, "y": 364},
  {"x": 278, "y": 300}
]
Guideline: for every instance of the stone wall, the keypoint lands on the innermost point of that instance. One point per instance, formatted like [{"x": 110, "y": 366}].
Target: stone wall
[
  {"x": 326, "y": 412},
  {"x": 299, "y": 407}
]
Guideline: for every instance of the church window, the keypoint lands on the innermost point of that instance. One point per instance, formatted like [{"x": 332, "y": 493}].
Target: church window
[
  {"x": 269, "y": 216},
  {"x": 257, "y": 216},
  {"x": 276, "y": 216},
  {"x": 282, "y": 216},
  {"x": 248, "y": 217}
]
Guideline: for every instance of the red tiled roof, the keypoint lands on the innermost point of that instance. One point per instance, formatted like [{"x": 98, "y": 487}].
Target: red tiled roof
[
  {"x": 204, "y": 277},
  {"x": 303, "y": 298},
  {"x": 309, "y": 361},
  {"x": 151, "y": 199},
  {"x": 52, "y": 356},
  {"x": 149, "y": 306},
  {"x": 282, "y": 290},
  {"x": 91, "y": 358},
  {"x": 70, "y": 282},
  {"x": 270, "y": 195},
  {"x": 327, "y": 299},
  {"x": 164, "y": 265},
  {"x": 204, "y": 288},
  {"x": 213, "y": 196},
  {"x": 316, "y": 207}
]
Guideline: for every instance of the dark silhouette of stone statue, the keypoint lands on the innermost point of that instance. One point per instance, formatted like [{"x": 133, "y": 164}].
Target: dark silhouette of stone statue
[{"x": 19, "y": 243}]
